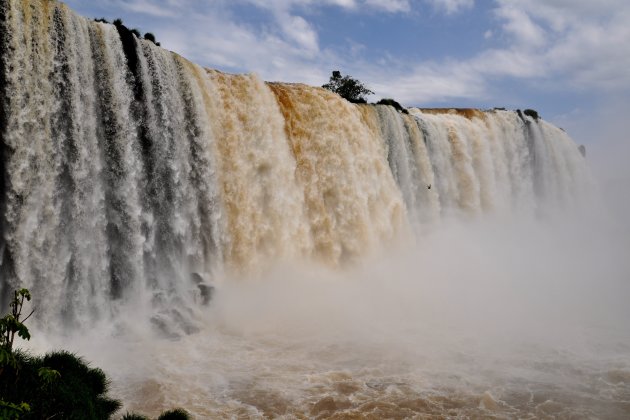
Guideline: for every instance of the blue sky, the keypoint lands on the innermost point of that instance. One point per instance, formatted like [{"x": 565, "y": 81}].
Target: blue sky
[{"x": 569, "y": 59}]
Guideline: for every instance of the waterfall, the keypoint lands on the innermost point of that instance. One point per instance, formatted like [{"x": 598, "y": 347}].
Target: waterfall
[
  {"x": 352, "y": 201},
  {"x": 131, "y": 174}
]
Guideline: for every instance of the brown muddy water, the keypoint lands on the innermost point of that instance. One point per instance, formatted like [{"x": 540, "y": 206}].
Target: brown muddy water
[{"x": 454, "y": 327}]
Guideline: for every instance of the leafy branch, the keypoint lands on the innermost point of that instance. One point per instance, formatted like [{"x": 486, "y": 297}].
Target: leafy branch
[{"x": 10, "y": 324}]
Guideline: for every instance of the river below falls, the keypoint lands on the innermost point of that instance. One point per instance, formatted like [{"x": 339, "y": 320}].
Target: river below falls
[
  {"x": 224, "y": 373},
  {"x": 468, "y": 323}
]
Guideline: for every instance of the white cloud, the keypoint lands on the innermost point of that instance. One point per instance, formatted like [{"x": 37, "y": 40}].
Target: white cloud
[
  {"x": 433, "y": 82},
  {"x": 451, "y": 6},
  {"x": 573, "y": 45},
  {"x": 297, "y": 29},
  {"x": 521, "y": 27},
  {"x": 392, "y": 6},
  {"x": 559, "y": 14},
  {"x": 148, "y": 7},
  {"x": 585, "y": 44},
  {"x": 507, "y": 63}
]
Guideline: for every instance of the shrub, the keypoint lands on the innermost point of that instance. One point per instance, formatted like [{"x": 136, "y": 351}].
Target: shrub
[
  {"x": 10, "y": 411},
  {"x": 532, "y": 113},
  {"x": 347, "y": 87},
  {"x": 58, "y": 385},
  {"x": 133, "y": 416},
  {"x": 136, "y": 33},
  {"x": 11, "y": 324},
  {"x": 391, "y": 102},
  {"x": 150, "y": 37},
  {"x": 119, "y": 24},
  {"x": 175, "y": 414}
]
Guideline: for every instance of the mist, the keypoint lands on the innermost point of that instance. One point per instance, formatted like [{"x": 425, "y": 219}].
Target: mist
[
  {"x": 604, "y": 131},
  {"x": 490, "y": 315}
]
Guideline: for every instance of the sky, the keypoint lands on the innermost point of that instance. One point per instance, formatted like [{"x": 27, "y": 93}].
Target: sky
[{"x": 568, "y": 59}]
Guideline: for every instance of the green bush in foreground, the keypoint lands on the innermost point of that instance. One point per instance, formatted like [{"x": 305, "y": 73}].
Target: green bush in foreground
[
  {"x": 134, "y": 416},
  {"x": 58, "y": 385},
  {"x": 176, "y": 414}
]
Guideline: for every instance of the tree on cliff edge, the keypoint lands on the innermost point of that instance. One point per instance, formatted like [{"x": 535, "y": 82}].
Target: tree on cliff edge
[{"x": 347, "y": 87}]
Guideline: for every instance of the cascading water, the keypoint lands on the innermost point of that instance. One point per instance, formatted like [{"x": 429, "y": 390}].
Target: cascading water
[
  {"x": 352, "y": 202},
  {"x": 165, "y": 169},
  {"x": 130, "y": 175}
]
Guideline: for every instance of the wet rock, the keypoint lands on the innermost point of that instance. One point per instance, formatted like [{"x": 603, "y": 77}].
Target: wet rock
[
  {"x": 185, "y": 323},
  {"x": 197, "y": 278},
  {"x": 206, "y": 291},
  {"x": 163, "y": 327},
  {"x": 173, "y": 323}
]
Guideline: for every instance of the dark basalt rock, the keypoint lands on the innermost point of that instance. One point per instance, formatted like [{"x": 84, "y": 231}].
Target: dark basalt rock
[
  {"x": 206, "y": 291},
  {"x": 197, "y": 278},
  {"x": 172, "y": 323}
]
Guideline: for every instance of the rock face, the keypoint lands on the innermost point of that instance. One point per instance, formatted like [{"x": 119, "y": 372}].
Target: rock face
[{"x": 205, "y": 290}]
